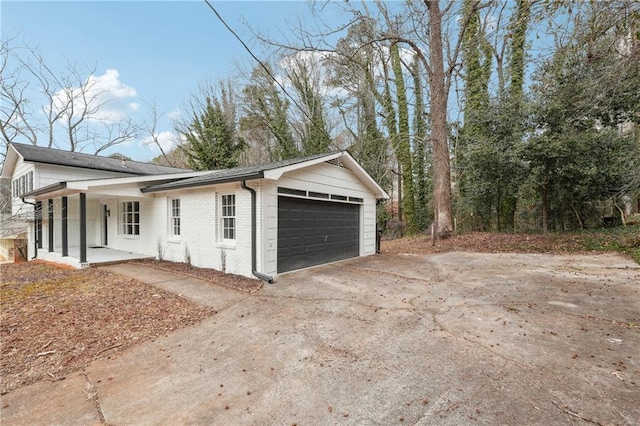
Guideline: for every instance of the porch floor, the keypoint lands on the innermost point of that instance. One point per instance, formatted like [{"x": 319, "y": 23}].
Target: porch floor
[
  {"x": 103, "y": 255},
  {"x": 95, "y": 256}
]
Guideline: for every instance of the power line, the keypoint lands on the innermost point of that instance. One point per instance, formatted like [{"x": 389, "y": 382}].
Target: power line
[{"x": 266, "y": 69}]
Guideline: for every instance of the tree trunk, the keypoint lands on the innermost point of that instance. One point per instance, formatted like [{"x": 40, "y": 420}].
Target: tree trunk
[
  {"x": 575, "y": 211},
  {"x": 545, "y": 209},
  {"x": 400, "y": 216},
  {"x": 441, "y": 163}
]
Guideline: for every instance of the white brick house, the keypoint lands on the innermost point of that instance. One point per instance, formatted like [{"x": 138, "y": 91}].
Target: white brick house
[
  {"x": 255, "y": 221},
  {"x": 28, "y": 168}
]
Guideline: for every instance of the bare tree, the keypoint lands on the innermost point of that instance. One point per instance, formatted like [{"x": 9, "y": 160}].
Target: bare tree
[
  {"x": 150, "y": 131},
  {"x": 63, "y": 109}
]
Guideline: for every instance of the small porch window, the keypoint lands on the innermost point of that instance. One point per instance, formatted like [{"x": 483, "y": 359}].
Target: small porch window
[
  {"x": 22, "y": 185},
  {"x": 174, "y": 221},
  {"x": 131, "y": 218},
  {"x": 228, "y": 217}
]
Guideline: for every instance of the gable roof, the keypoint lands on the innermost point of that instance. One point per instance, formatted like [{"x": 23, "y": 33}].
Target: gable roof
[
  {"x": 38, "y": 154},
  {"x": 232, "y": 175},
  {"x": 270, "y": 171}
]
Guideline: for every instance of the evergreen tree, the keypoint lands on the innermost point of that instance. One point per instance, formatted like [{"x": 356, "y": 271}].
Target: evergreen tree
[
  {"x": 211, "y": 142},
  {"x": 267, "y": 109},
  {"x": 314, "y": 133},
  {"x": 584, "y": 97}
]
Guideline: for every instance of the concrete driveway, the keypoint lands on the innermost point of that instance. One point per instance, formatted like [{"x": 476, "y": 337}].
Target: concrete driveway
[{"x": 453, "y": 338}]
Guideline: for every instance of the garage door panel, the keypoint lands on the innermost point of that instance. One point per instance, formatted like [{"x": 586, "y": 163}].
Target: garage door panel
[{"x": 312, "y": 232}]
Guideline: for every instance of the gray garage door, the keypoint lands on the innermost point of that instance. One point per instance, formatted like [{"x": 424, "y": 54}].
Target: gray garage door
[{"x": 312, "y": 232}]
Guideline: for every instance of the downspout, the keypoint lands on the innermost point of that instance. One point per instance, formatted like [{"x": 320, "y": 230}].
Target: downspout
[
  {"x": 257, "y": 274},
  {"x": 35, "y": 229}
]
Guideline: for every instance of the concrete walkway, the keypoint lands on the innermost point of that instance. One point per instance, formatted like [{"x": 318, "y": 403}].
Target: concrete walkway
[
  {"x": 75, "y": 399},
  {"x": 448, "y": 339},
  {"x": 194, "y": 289}
]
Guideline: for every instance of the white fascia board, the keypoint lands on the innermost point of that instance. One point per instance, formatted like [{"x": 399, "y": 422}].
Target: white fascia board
[
  {"x": 121, "y": 191},
  {"x": 105, "y": 183},
  {"x": 362, "y": 174},
  {"x": 57, "y": 194},
  {"x": 139, "y": 179},
  {"x": 276, "y": 174},
  {"x": 9, "y": 164},
  {"x": 351, "y": 162}
]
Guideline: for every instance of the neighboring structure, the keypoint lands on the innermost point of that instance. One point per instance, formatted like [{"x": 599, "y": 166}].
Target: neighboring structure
[
  {"x": 13, "y": 249},
  {"x": 254, "y": 221}
]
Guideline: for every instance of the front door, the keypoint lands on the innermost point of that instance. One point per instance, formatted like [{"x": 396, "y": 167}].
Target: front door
[{"x": 104, "y": 225}]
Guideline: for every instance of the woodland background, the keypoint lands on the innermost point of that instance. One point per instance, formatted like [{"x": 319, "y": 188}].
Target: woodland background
[{"x": 486, "y": 115}]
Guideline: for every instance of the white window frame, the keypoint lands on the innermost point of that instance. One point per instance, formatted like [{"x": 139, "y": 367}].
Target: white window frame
[
  {"x": 228, "y": 225},
  {"x": 174, "y": 217},
  {"x": 130, "y": 218}
]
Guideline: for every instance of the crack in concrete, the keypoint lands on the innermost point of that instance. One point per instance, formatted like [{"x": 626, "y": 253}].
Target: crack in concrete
[
  {"x": 436, "y": 279},
  {"x": 478, "y": 344},
  {"x": 92, "y": 394},
  {"x": 224, "y": 308},
  {"x": 330, "y": 299},
  {"x": 565, "y": 409},
  {"x": 594, "y": 318}
]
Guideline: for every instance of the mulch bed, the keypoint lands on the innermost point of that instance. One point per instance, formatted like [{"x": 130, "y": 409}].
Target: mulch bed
[
  {"x": 236, "y": 282},
  {"x": 55, "y": 320}
]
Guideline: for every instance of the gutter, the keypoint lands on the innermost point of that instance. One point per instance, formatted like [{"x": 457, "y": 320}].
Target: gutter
[
  {"x": 196, "y": 181},
  {"x": 46, "y": 189},
  {"x": 35, "y": 228},
  {"x": 257, "y": 274}
]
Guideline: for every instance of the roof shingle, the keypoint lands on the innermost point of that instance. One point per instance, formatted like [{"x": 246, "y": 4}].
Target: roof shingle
[
  {"x": 38, "y": 154},
  {"x": 231, "y": 175}
]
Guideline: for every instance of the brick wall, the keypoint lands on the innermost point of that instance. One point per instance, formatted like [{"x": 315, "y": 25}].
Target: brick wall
[{"x": 200, "y": 240}]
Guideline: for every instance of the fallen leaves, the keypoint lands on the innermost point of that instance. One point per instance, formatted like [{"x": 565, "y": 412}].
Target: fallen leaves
[
  {"x": 621, "y": 240},
  {"x": 56, "y": 320},
  {"x": 486, "y": 242},
  {"x": 237, "y": 282}
]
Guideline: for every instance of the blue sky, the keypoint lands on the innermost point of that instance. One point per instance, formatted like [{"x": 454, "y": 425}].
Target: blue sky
[
  {"x": 155, "y": 51},
  {"x": 160, "y": 49}
]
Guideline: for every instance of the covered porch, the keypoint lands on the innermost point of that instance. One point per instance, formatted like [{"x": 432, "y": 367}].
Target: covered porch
[
  {"x": 82, "y": 224},
  {"x": 82, "y": 230}
]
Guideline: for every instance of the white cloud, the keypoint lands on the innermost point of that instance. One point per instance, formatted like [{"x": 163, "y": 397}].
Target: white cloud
[
  {"x": 174, "y": 115},
  {"x": 103, "y": 97},
  {"x": 315, "y": 62},
  {"x": 110, "y": 83},
  {"x": 407, "y": 55},
  {"x": 167, "y": 140}
]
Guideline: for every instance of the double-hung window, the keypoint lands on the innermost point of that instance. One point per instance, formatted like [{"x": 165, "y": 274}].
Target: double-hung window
[
  {"x": 228, "y": 217},
  {"x": 174, "y": 222},
  {"x": 131, "y": 218}
]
